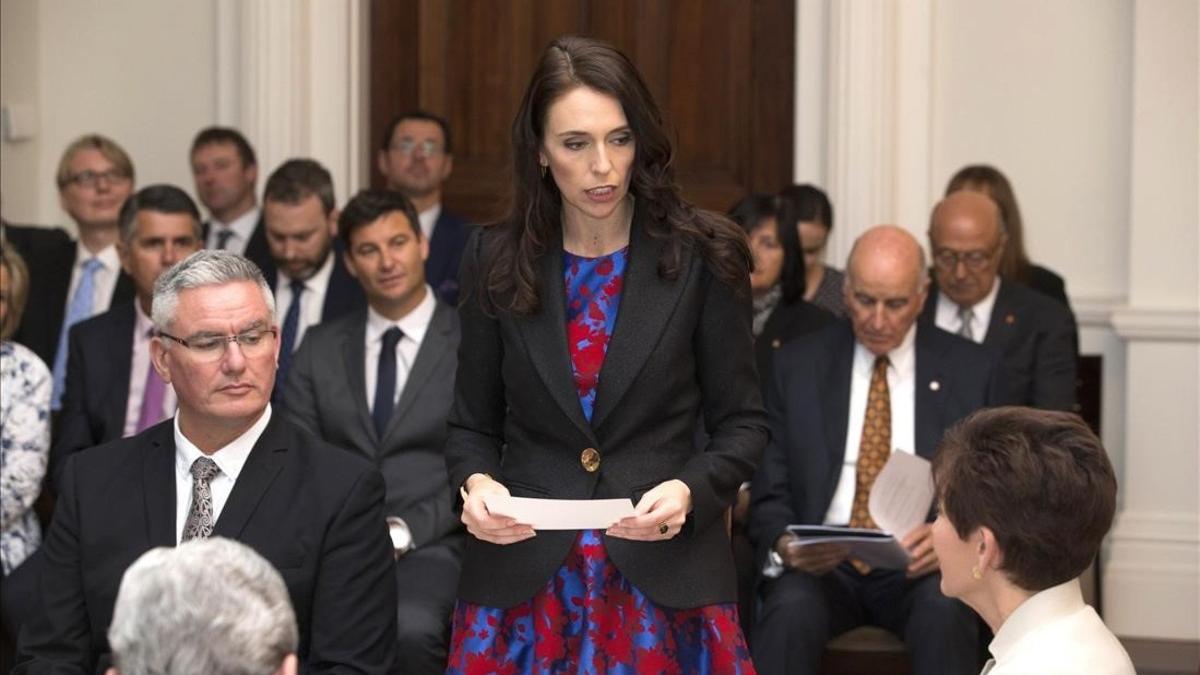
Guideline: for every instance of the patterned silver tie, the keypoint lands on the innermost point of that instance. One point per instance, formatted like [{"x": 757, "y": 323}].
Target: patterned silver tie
[
  {"x": 965, "y": 329},
  {"x": 200, "y": 516}
]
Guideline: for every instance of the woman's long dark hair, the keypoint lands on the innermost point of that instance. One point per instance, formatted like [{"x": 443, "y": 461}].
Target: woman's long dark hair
[
  {"x": 748, "y": 214},
  {"x": 508, "y": 275}
]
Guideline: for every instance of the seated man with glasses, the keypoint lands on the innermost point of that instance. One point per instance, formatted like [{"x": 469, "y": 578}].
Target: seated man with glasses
[
  {"x": 73, "y": 281},
  {"x": 415, "y": 160},
  {"x": 1033, "y": 335},
  {"x": 223, "y": 466}
]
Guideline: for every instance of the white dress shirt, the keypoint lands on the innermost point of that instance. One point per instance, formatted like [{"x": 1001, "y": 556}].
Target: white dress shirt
[
  {"x": 242, "y": 226},
  {"x": 230, "y": 459},
  {"x": 1055, "y": 632},
  {"x": 312, "y": 300},
  {"x": 428, "y": 219},
  {"x": 948, "y": 320},
  {"x": 413, "y": 325},
  {"x": 901, "y": 379},
  {"x": 140, "y": 368},
  {"x": 105, "y": 279}
]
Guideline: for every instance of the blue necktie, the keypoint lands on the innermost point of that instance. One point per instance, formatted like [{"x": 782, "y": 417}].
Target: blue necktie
[
  {"x": 385, "y": 381},
  {"x": 291, "y": 324},
  {"x": 78, "y": 309},
  {"x": 223, "y": 236}
]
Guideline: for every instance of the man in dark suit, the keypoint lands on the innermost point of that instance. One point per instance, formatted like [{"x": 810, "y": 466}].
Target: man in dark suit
[
  {"x": 69, "y": 281},
  {"x": 1034, "y": 336},
  {"x": 415, "y": 159},
  {"x": 385, "y": 396},
  {"x": 224, "y": 466},
  {"x": 226, "y": 170},
  {"x": 309, "y": 277},
  {"x": 841, "y": 400},
  {"x": 112, "y": 391}
]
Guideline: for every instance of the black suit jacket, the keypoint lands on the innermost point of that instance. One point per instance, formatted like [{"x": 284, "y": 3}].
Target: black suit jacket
[
  {"x": 257, "y": 250},
  {"x": 1035, "y": 338},
  {"x": 315, "y": 513},
  {"x": 326, "y": 394},
  {"x": 446, "y": 246},
  {"x": 50, "y": 266},
  {"x": 99, "y": 358},
  {"x": 343, "y": 294},
  {"x": 808, "y": 405},
  {"x": 679, "y": 349},
  {"x": 786, "y": 322}
]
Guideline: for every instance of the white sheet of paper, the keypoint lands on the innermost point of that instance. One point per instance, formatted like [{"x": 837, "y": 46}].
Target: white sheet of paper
[
  {"x": 902, "y": 494},
  {"x": 560, "y": 514}
]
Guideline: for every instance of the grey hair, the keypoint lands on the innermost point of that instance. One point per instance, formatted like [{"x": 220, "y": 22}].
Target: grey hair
[
  {"x": 203, "y": 268},
  {"x": 207, "y": 606}
]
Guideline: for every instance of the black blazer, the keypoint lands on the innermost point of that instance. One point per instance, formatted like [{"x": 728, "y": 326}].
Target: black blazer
[
  {"x": 99, "y": 358},
  {"x": 679, "y": 349},
  {"x": 327, "y": 395},
  {"x": 446, "y": 247},
  {"x": 257, "y": 250},
  {"x": 50, "y": 270},
  {"x": 1048, "y": 283},
  {"x": 343, "y": 294},
  {"x": 808, "y": 404},
  {"x": 786, "y": 322},
  {"x": 1035, "y": 338},
  {"x": 315, "y": 513}
]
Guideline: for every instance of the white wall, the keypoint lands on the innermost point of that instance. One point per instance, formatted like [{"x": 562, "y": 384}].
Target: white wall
[{"x": 138, "y": 72}]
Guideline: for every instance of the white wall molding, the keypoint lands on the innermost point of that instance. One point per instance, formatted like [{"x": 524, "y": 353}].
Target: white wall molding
[
  {"x": 1146, "y": 323},
  {"x": 1095, "y": 311},
  {"x": 1153, "y": 562}
]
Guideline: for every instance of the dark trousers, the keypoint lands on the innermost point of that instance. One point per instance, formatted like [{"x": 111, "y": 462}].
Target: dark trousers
[
  {"x": 801, "y": 613},
  {"x": 427, "y": 582}
]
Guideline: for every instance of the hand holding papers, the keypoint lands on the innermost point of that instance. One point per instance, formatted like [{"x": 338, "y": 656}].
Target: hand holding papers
[
  {"x": 899, "y": 502},
  {"x": 560, "y": 514}
]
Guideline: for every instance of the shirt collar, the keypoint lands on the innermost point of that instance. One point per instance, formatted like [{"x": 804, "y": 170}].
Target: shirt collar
[
  {"x": 143, "y": 325},
  {"x": 243, "y": 225},
  {"x": 1038, "y": 610},
  {"x": 231, "y": 458},
  {"x": 982, "y": 310},
  {"x": 107, "y": 256},
  {"x": 902, "y": 359},
  {"x": 428, "y": 219},
  {"x": 414, "y": 324}
]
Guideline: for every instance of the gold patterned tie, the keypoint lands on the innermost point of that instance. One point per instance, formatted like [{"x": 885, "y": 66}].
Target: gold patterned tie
[{"x": 873, "y": 449}]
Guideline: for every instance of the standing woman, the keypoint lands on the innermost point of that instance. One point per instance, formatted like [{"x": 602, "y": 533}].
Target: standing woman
[{"x": 601, "y": 319}]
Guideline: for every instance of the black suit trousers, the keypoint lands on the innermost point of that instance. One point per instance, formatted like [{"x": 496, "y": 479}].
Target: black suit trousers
[
  {"x": 426, "y": 580},
  {"x": 802, "y": 612}
]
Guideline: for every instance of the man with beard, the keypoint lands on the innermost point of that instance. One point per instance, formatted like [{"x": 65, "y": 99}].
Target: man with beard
[
  {"x": 310, "y": 279},
  {"x": 415, "y": 160}
]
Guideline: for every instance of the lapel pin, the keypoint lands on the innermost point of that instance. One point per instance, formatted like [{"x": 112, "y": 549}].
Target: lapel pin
[
  {"x": 1010, "y": 319},
  {"x": 775, "y": 343},
  {"x": 934, "y": 385}
]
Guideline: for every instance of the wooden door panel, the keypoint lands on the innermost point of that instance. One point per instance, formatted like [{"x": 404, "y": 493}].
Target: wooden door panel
[{"x": 721, "y": 70}]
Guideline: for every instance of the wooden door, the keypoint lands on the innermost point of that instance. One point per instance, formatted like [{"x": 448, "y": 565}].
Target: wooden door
[{"x": 721, "y": 70}]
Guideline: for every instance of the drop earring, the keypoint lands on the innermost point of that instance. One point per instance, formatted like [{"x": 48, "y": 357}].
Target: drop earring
[{"x": 976, "y": 573}]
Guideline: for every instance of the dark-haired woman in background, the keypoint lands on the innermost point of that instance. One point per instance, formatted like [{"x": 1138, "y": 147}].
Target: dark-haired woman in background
[
  {"x": 777, "y": 282},
  {"x": 602, "y": 319},
  {"x": 1026, "y": 496},
  {"x": 806, "y": 209},
  {"x": 1015, "y": 265}
]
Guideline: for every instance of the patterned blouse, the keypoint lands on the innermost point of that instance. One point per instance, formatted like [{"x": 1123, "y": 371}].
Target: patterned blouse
[
  {"x": 24, "y": 450},
  {"x": 829, "y": 294}
]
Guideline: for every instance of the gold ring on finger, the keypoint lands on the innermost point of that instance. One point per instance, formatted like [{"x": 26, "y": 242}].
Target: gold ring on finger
[{"x": 663, "y": 528}]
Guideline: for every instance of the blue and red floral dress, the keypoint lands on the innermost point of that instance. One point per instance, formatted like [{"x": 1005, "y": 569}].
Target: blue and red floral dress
[{"x": 589, "y": 618}]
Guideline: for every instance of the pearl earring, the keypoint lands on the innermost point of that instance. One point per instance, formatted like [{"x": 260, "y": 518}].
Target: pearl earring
[{"x": 976, "y": 573}]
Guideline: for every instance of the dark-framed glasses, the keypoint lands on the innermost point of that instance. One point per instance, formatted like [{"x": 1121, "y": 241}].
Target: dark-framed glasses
[
  {"x": 91, "y": 179},
  {"x": 407, "y": 146},
  {"x": 975, "y": 261},
  {"x": 210, "y": 348}
]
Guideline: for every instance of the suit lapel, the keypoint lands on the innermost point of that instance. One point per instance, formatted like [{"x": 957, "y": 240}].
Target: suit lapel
[
  {"x": 647, "y": 304},
  {"x": 264, "y": 463},
  {"x": 932, "y": 387},
  {"x": 1003, "y": 322},
  {"x": 545, "y": 334},
  {"x": 837, "y": 402},
  {"x": 354, "y": 355},
  {"x": 120, "y": 362},
  {"x": 433, "y": 348},
  {"x": 158, "y": 484}
]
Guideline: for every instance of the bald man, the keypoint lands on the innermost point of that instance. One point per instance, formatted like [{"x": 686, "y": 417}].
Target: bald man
[
  {"x": 867, "y": 386},
  {"x": 1034, "y": 336}
]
